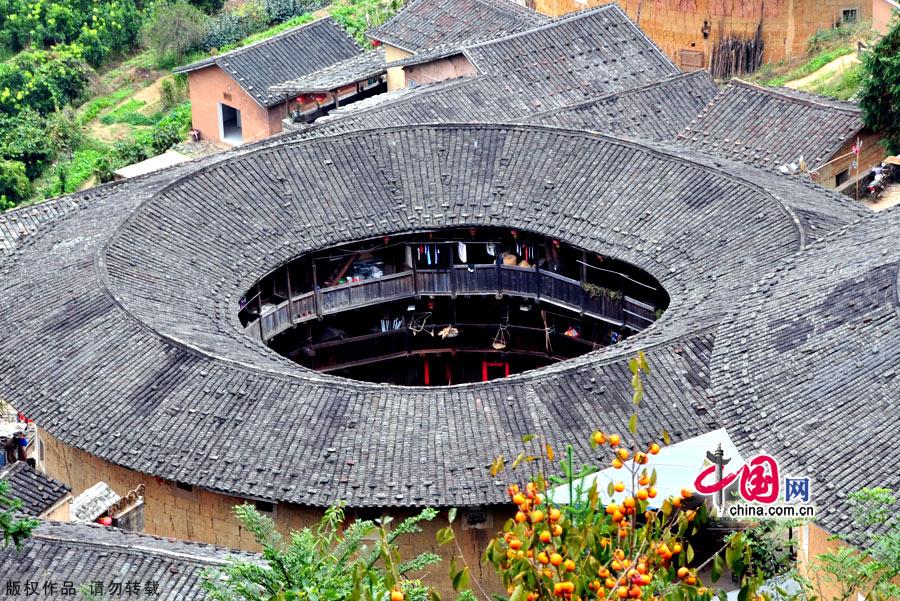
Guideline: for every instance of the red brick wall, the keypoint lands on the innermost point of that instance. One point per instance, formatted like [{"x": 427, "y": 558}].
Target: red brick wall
[{"x": 210, "y": 86}]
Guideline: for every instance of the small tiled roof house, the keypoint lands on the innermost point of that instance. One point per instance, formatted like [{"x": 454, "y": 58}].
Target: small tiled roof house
[
  {"x": 435, "y": 27},
  {"x": 41, "y": 496},
  {"x": 775, "y": 127},
  {"x": 230, "y": 97}
]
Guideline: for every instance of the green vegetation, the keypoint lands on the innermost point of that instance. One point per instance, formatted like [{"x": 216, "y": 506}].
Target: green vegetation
[
  {"x": 843, "y": 86},
  {"x": 810, "y": 67},
  {"x": 824, "y": 47},
  {"x": 103, "y": 56},
  {"x": 880, "y": 95},
  {"x": 15, "y": 528},
  {"x": 90, "y": 110},
  {"x": 328, "y": 562}
]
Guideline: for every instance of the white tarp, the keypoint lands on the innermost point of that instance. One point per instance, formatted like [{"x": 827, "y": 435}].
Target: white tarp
[{"x": 677, "y": 466}]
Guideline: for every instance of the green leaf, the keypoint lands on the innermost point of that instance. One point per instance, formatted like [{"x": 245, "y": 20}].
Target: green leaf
[
  {"x": 445, "y": 535},
  {"x": 518, "y": 594},
  {"x": 518, "y": 460},
  {"x": 528, "y": 438},
  {"x": 717, "y": 564},
  {"x": 434, "y": 595},
  {"x": 690, "y": 553},
  {"x": 461, "y": 579},
  {"x": 632, "y": 424},
  {"x": 665, "y": 436},
  {"x": 609, "y": 489},
  {"x": 653, "y": 477},
  {"x": 451, "y": 514},
  {"x": 497, "y": 466}
]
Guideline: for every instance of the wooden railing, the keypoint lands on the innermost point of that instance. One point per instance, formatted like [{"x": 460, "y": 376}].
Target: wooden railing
[
  {"x": 525, "y": 282},
  {"x": 360, "y": 350}
]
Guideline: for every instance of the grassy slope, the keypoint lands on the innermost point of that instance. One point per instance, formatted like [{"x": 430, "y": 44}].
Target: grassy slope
[{"x": 824, "y": 47}]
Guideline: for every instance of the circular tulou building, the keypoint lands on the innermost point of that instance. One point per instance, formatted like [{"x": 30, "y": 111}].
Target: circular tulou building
[{"x": 373, "y": 317}]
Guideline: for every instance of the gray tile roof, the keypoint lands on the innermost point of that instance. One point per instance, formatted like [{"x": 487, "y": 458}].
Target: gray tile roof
[
  {"x": 582, "y": 57},
  {"x": 37, "y": 491},
  {"x": 80, "y": 554},
  {"x": 773, "y": 126},
  {"x": 808, "y": 365},
  {"x": 657, "y": 111},
  {"x": 354, "y": 69},
  {"x": 427, "y": 24},
  {"x": 139, "y": 286},
  {"x": 291, "y": 54}
]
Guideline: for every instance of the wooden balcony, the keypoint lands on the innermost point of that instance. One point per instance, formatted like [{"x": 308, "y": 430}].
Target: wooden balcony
[{"x": 498, "y": 280}]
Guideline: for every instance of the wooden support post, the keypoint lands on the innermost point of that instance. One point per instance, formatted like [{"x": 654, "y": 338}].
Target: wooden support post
[
  {"x": 315, "y": 284},
  {"x": 415, "y": 278},
  {"x": 287, "y": 269}
]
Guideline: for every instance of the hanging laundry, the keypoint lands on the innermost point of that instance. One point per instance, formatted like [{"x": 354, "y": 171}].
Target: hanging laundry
[
  {"x": 461, "y": 251},
  {"x": 491, "y": 249},
  {"x": 408, "y": 257},
  {"x": 428, "y": 253}
]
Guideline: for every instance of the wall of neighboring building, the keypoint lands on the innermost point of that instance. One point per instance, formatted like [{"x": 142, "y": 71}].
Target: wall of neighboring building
[
  {"x": 206, "y": 516},
  {"x": 396, "y": 78},
  {"x": 59, "y": 512},
  {"x": 871, "y": 154},
  {"x": 210, "y": 86},
  {"x": 677, "y": 26},
  {"x": 882, "y": 13},
  {"x": 439, "y": 70}
]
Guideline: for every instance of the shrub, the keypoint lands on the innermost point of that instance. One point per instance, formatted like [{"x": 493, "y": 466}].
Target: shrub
[
  {"x": 358, "y": 16},
  {"x": 62, "y": 130},
  {"x": 174, "y": 29},
  {"x": 230, "y": 27},
  {"x": 24, "y": 138},
  {"x": 14, "y": 184},
  {"x": 41, "y": 80},
  {"x": 880, "y": 95},
  {"x": 167, "y": 94},
  {"x": 210, "y": 7},
  {"x": 128, "y": 152},
  {"x": 278, "y": 11},
  {"x": 328, "y": 562},
  {"x": 92, "y": 27},
  {"x": 103, "y": 170},
  {"x": 171, "y": 129}
]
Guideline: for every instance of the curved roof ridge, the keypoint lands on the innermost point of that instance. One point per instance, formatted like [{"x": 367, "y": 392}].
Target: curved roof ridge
[{"x": 800, "y": 96}]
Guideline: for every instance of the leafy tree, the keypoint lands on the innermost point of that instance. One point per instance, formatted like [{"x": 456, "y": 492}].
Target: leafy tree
[
  {"x": 880, "y": 95},
  {"x": 327, "y": 562},
  {"x": 14, "y": 184},
  {"x": 174, "y": 29},
  {"x": 868, "y": 561},
  {"x": 41, "y": 80},
  {"x": 24, "y": 138},
  {"x": 635, "y": 548},
  {"x": 210, "y": 7},
  {"x": 128, "y": 152},
  {"x": 15, "y": 529},
  {"x": 358, "y": 16}
]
